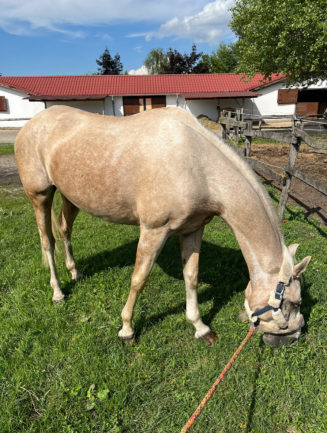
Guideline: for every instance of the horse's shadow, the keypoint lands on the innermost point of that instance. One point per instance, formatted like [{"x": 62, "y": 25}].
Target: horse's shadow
[{"x": 222, "y": 270}]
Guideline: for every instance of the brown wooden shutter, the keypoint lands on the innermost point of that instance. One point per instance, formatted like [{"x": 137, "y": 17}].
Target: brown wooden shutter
[
  {"x": 307, "y": 108},
  {"x": 3, "y": 103},
  {"x": 287, "y": 96},
  {"x": 158, "y": 101},
  {"x": 131, "y": 105}
]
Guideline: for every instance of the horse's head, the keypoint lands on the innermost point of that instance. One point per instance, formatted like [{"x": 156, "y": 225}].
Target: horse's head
[{"x": 275, "y": 310}]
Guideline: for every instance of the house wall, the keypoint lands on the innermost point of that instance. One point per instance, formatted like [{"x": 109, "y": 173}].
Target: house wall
[
  {"x": 173, "y": 100},
  {"x": 266, "y": 104},
  {"x": 212, "y": 107},
  {"x": 202, "y": 106},
  {"x": 114, "y": 106},
  {"x": 17, "y": 108},
  {"x": 103, "y": 106},
  {"x": 92, "y": 106}
]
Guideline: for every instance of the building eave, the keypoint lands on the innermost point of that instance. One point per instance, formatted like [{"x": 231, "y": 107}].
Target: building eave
[{"x": 220, "y": 95}]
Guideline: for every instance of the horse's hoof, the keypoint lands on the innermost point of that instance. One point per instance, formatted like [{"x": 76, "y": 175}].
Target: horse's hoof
[
  {"x": 130, "y": 340},
  {"x": 210, "y": 338},
  {"x": 77, "y": 276},
  {"x": 58, "y": 299}
]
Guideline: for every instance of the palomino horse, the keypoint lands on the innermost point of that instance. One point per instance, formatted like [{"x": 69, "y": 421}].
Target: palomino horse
[{"x": 163, "y": 171}]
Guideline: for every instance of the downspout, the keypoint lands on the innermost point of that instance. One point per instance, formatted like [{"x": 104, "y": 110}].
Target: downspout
[
  {"x": 177, "y": 97},
  {"x": 113, "y": 105}
]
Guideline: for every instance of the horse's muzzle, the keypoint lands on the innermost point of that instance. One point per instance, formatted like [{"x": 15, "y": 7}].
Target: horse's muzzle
[{"x": 276, "y": 340}]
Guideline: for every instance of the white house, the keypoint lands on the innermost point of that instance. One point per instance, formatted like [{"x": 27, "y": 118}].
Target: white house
[{"x": 22, "y": 97}]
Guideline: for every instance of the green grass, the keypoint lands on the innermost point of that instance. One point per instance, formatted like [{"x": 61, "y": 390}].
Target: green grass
[
  {"x": 6, "y": 149},
  {"x": 259, "y": 140},
  {"x": 62, "y": 368}
]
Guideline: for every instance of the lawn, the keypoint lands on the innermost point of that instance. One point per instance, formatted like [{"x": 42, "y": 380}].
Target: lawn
[
  {"x": 6, "y": 149},
  {"x": 62, "y": 368}
]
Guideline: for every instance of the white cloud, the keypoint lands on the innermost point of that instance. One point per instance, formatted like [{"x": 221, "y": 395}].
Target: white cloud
[
  {"x": 140, "y": 71},
  {"x": 28, "y": 16},
  {"x": 209, "y": 25}
]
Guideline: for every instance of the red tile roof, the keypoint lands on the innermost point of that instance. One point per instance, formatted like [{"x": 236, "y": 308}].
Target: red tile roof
[{"x": 92, "y": 86}]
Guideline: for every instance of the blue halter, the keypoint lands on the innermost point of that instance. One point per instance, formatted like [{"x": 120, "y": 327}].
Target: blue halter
[{"x": 279, "y": 292}]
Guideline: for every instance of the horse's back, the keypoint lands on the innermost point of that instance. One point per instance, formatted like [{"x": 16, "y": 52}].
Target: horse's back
[{"x": 116, "y": 168}]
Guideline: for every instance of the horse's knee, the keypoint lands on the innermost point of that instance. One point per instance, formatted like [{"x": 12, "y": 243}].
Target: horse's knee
[
  {"x": 191, "y": 278},
  {"x": 137, "y": 282}
]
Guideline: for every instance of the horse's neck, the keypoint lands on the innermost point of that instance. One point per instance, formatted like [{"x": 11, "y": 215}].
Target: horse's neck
[
  {"x": 263, "y": 251},
  {"x": 246, "y": 208}
]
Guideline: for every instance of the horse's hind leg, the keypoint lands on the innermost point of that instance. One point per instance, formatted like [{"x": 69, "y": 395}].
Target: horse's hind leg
[
  {"x": 42, "y": 202},
  {"x": 190, "y": 250},
  {"x": 150, "y": 244},
  {"x": 66, "y": 219}
]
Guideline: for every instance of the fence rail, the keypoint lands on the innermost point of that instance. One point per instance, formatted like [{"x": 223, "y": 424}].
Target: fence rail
[
  {"x": 15, "y": 119},
  {"x": 238, "y": 124}
]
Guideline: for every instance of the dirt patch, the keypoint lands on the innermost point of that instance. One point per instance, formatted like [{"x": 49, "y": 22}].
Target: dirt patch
[
  {"x": 310, "y": 163},
  {"x": 8, "y": 170},
  {"x": 276, "y": 154}
]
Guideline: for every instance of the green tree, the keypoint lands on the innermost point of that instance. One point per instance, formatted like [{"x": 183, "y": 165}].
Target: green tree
[
  {"x": 286, "y": 36},
  {"x": 224, "y": 59},
  {"x": 182, "y": 63},
  {"x": 156, "y": 61},
  {"x": 109, "y": 65},
  {"x": 172, "y": 61}
]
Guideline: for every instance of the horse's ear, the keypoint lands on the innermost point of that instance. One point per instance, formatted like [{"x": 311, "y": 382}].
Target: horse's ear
[
  {"x": 292, "y": 249},
  {"x": 301, "y": 267}
]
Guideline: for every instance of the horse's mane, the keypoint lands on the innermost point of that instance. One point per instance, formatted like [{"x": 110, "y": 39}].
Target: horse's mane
[{"x": 249, "y": 175}]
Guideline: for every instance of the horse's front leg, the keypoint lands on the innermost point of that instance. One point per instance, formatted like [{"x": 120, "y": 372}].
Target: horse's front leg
[
  {"x": 150, "y": 244},
  {"x": 190, "y": 250}
]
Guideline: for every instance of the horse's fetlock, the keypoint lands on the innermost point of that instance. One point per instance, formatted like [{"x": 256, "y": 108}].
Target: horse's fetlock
[{"x": 193, "y": 318}]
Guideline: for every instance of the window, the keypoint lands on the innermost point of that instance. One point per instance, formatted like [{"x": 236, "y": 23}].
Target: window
[{"x": 3, "y": 103}]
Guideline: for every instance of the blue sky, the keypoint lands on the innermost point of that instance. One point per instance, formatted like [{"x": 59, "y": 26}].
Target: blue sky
[{"x": 65, "y": 37}]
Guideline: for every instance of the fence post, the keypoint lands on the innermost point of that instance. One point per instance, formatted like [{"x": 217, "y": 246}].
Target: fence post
[
  {"x": 247, "y": 149},
  {"x": 223, "y": 131},
  {"x": 237, "y": 128},
  {"x": 248, "y": 139},
  {"x": 295, "y": 147}
]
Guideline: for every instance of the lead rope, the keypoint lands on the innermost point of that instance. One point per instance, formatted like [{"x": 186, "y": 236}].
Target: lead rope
[{"x": 199, "y": 409}]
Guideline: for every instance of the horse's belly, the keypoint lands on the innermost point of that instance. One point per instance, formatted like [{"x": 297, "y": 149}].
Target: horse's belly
[{"x": 109, "y": 205}]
